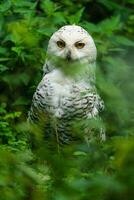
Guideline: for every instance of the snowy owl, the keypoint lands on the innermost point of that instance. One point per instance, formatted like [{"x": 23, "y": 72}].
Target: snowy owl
[{"x": 67, "y": 92}]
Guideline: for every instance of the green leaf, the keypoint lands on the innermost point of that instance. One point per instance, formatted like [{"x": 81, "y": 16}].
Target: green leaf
[
  {"x": 3, "y": 50},
  {"x": 22, "y": 34},
  {"x": 90, "y": 27},
  {"x": 21, "y": 101},
  {"x": 109, "y": 25},
  {"x": 2, "y": 110},
  {"x": 12, "y": 115},
  {"x": 131, "y": 1},
  {"x": 124, "y": 41},
  {"x": 75, "y": 18},
  {"x": 5, "y": 6},
  {"x": 24, "y": 77},
  {"x": 59, "y": 18},
  {"x": 48, "y": 6},
  {"x": 46, "y": 31},
  {"x": 4, "y": 59},
  {"x": 18, "y": 50},
  {"x": 3, "y": 68},
  {"x": 111, "y": 5},
  {"x": 79, "y": 153},
  {"x": 24, "y": 4}
]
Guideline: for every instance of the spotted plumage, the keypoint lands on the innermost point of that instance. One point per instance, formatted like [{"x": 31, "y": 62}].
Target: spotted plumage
[{"x": 62, "y": 98}]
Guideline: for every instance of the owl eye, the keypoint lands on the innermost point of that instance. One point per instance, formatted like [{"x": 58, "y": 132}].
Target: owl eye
[
  {"x": 61, "y": 44},
  {"x": 79, "y": 45}
]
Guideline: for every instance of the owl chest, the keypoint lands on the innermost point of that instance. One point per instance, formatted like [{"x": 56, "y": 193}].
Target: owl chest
[
  {"x": 61, "y": 92},
  {"x": 58, "y": 87},
  {"x": 64, "y": 94},
  {"x": 67, "y": 101}
]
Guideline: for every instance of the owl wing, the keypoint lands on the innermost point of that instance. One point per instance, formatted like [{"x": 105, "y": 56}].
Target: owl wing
[
  {"x": 76, "y": 111},
  {"x": 47, "y": 68},
  {"x": 41, "y": 102}
]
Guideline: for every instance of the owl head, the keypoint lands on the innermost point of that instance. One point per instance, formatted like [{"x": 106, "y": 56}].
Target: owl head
[{"x": 72, "y": 42}]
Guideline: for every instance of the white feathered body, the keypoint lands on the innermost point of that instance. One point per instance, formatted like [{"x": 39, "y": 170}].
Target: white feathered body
[{"x": 61, "y": 99}]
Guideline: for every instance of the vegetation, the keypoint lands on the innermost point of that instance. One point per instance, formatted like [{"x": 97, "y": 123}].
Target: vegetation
[{"x": 30, "y": 170}]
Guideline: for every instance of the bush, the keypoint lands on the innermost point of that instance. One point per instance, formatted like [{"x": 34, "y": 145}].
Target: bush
[{"x": 30, "y": 170}]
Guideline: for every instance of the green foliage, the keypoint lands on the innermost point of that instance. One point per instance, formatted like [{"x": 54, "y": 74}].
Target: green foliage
[{"x": 28, "y": 168}]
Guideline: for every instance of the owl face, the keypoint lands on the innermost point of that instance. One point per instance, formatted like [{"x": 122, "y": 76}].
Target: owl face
[{"x": 72, "y": 42}]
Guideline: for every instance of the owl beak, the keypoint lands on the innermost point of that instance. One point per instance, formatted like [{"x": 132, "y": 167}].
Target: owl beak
[{"x": 68, "y": 56}]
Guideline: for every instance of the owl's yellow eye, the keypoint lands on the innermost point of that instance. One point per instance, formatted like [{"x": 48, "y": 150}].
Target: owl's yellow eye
[
  {"x": 61, "y": 44},
  {"x": 79, "y": 45}
]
